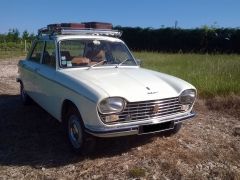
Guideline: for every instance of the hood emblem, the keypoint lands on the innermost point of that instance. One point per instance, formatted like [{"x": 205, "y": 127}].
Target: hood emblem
[
  {"x": 151, "y": 92},
  {"x": 155, "y": 109}
]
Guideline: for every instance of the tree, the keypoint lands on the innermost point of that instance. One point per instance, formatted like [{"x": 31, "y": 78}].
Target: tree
[
  {"x": 25, "y": 35},
  {"x": 32, "y": 37},
  {"x": 2, "y": 38},
  {"x": 13, "y": 35}
]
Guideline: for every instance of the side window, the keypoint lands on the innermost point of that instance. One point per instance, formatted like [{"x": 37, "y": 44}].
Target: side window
[
  {"x": 37, "y": 52},
  {"x": 49, "y": 55}
]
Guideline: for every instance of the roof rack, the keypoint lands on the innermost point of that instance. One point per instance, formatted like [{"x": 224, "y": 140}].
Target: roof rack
[{"x": 88, "y": 28}]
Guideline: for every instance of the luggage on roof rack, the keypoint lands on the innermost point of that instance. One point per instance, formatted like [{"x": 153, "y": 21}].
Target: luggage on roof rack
[
  {"x": 85, "y": 25},
  {"x": 66, "y": 25},
  {"x": 86, "y": 28},
  {"x": 98, "y": 25}
]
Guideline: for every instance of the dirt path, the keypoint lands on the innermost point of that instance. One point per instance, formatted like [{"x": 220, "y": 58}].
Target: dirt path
[{"x": 32, "y": 145}]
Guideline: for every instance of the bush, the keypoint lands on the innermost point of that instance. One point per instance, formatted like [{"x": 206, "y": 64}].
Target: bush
[{"x": 199, "y": 40}]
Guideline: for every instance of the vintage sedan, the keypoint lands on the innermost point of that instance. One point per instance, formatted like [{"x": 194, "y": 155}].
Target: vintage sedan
[{"x": 88, "y": 79}]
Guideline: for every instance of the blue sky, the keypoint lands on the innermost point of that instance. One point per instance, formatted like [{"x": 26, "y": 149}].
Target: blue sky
[{"x": 32, "y": 15}]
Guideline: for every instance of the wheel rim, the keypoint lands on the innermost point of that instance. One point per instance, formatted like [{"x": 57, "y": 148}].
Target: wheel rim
[{"x": 75, "y": 131}]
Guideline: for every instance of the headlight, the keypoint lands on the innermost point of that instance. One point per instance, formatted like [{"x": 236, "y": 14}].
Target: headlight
[
  {"x": 111, "y": 105},
  {"x": 187, "y": 97}
]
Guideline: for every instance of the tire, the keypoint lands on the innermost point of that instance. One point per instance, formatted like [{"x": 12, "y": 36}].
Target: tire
[
  {"x": 173, "y": 131},
  {"x": 26, "y": 100},
  {"x": 176, "y": 128},
  {"x": 75, "y": 130}
]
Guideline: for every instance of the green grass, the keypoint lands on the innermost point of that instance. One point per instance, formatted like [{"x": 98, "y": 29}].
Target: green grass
[
  {"x": 212, "y": 75},
  {"x": 136, "y": 172}
]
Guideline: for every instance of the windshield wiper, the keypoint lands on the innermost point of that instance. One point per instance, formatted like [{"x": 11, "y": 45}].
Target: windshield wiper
[
  {"x": 97, "y": 64},
  {"x": 122, "y": 62}
]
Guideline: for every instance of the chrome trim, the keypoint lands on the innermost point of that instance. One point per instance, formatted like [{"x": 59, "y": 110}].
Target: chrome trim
[
  {"x": 147, "y": 110},
  {"x": 96, "y": 32},
  {"x": 126, "y": 130}
]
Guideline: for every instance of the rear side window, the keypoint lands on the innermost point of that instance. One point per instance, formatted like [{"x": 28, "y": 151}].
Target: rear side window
[
  {"x": 49, "y": 55},
  {"x": 37, "y": 52}
]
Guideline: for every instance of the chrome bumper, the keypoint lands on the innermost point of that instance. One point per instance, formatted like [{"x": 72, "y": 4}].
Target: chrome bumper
[{"x": 141, "y": 128}]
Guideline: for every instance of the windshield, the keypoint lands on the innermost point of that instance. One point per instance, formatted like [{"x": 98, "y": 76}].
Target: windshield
[{"x": 91, "y": 53}]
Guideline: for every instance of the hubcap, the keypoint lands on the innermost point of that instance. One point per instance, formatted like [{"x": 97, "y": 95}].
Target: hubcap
[{"x": 75, "y": 131}]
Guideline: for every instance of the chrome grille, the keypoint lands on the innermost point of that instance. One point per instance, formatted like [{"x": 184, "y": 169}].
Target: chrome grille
[{"x": 144, "y": 110}]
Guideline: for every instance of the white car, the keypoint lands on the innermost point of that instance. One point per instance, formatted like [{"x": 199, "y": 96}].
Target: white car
[{"x": 88, "y": 79}]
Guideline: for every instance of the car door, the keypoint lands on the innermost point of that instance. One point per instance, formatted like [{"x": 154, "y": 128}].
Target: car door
[
  {"x": 29, "y": 69},
  {"x": 46, "y": 83}
]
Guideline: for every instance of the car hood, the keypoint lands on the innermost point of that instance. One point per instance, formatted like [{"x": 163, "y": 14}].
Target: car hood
[{"x": 133, "y": 84}]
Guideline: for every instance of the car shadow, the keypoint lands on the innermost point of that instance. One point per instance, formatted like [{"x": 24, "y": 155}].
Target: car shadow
[{"x": 30, "y": 136}]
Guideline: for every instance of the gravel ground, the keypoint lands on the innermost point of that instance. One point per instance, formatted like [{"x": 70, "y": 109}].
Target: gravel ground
[{"x": 32, "y": 145}]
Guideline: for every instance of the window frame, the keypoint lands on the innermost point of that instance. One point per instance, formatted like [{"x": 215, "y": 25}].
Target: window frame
[
  {"x": 55, "y": 48},
  {"x": 32, "y": 50}
]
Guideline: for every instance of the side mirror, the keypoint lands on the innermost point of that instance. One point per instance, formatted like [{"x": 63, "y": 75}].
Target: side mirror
[{"x": 139, "y": 62}]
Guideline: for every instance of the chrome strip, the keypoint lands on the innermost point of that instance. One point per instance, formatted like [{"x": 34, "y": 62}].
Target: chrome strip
[{"x": 132, "y": 129}]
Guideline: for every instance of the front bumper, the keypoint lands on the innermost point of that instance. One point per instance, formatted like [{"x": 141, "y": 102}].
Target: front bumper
[{"x": 140, "y": 128}]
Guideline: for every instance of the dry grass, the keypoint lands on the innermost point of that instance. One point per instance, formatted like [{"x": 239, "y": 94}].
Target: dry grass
[
  {"x": 11, "y": 54},
  {"x": 229, "y": 104}
]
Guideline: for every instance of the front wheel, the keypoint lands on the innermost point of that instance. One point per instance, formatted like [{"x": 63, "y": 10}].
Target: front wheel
[
  {"x": 176, "y": 128},
  {"x": 80, "y": 142},
  {"x": 173, "y": 131},
  {"x": 75, "y": 132}
]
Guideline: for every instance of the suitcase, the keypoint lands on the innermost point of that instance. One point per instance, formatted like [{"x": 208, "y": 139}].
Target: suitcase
[
  {"x": 53, "y": 27},
  {"x": 98, "y": 25},
  {"x": 73, "y": 25}
]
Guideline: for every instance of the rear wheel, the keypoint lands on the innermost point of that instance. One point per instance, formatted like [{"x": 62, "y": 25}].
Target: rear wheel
[{"x": 24, "y": 97}]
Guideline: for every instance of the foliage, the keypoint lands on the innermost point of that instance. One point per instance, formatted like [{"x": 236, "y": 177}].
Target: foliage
[
  {"x": 25, "y": 35},
  {"x": 200, "y": 40},
  {"x": 13, "y": 35},
  {"x": 13, "y": 46}
]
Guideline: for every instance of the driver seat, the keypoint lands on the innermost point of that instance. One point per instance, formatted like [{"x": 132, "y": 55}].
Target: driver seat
[{"x": 96, "y": 56}]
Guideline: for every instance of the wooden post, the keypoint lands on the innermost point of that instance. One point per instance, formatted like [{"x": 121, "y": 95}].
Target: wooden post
[{"x": 25, "y": 44}]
